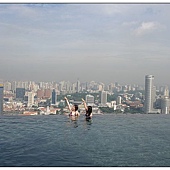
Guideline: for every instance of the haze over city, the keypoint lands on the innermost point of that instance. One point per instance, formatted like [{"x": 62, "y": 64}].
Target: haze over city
[{"x": 101, "y": 42}]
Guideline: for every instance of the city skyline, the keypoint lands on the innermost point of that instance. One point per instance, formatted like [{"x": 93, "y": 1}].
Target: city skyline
[
  {"x": 100, "y": 42},
  {"x": 150, "y": 99},
  {"x": 80, "y": 82}
]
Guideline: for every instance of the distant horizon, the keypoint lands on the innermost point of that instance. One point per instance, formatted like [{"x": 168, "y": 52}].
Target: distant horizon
[
  {"x": 81, "y": 81},
  {"x": 101, "y": 42}
]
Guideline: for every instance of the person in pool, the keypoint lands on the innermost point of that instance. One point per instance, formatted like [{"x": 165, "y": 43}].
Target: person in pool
[
  {"x": 88, "y": 110},
  {"x": 73, "y": 109}
]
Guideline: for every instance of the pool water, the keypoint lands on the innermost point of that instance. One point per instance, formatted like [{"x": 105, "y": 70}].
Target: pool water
[{"x": 135, "y": 140}]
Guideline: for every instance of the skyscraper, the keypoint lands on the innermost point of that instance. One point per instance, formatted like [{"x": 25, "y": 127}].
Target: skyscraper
[
  {"x": 20, "y": 92},
  {"x": 54, "y": 97},
  {"x": 166, "y": 91},
  {"x": 7, "y": 86},
  {"x": 30, "y": 99},
  {"x": 1, "y": 98},
  {"x": 40, "y": 93},
  {"x": 149, "y": 94},
  {"x": 103, "y": 97},
  {"x": 78, "y": 86},
  {"x": 14, "y": 85},
  {"x": 165, "y": 105},
  {"x": 89, "y": 99},
  {"x": 119, "y": 100},
  {"x": 47, "y": 93}
]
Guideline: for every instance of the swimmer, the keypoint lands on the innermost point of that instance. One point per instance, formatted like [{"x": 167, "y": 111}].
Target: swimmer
[
  {"x": 73, "y": 110},
  {"x": 88, "y": 110}
]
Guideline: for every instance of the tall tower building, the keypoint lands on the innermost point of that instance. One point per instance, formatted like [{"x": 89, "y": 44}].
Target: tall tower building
[
  {"x": 7, "y": 86},
  {"x": 40, "y": 93},
  {"x": 1, "y": 98},
  {"x": 47, "y": 93},
  {"x": 30, "y": 99},
  {"x": 78, "y": 86},
  {"x": 86, "y": 86},
  {"x": 54, "y": 97},
  {"x": 103, "y": 97},
  {"x": 119, "y": 100},
  {"x": 153, "y": 97},
  {"x": 14, "y": 85},
  {"x": 149, "y": 94},
  {"x": 165, "y": 105},
  {"x": 20, "y": 92},
  {"x": 166, "y": 91}
]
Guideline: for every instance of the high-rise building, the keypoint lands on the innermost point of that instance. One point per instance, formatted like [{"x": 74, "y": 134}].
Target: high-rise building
[
  {"x": 165, "y": 105},
  {"x": 86, "y": 86},
  {"x": 1, "y": 98},
  {"x": 150, "y": 91},
  {"x": 153, "y": 96},
  {"x": 78, "y": 86},
  {"x": 47, "y": 93},
  {"x": 119, "y": 100},
  {"x": 100, "y": 87},
  {"x": 111, "y": 86},
  {"x": 166, "y": 91},
  {"x": 30, "y": 99},
  {"x": 40, "y": 93},
  {"x": 41, "y": 85},
  {"x": 103, "y": 97},
  {"x": 14, "y": 85},
  {"x": 54, "y": 97},
  {"x": 68, "y": 87},
  {"x": 89, "y": 99},
  {"x": 20, "y": 92},
  {"x": 25, "y": 85},
  {"x": 128, "y": 87},
  {"x": 7, "y": 86},
  {"x": 116, "y": 84}
]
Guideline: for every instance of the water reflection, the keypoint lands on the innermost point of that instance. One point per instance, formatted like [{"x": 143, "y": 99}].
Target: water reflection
[
  {"x": 74, "y": 121},
  {"x": 88, "y": 123}
]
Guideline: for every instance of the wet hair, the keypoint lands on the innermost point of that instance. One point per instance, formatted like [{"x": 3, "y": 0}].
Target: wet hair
[
  {"x": 89, "y": 111},
  {"x": 76, "y": 107}
]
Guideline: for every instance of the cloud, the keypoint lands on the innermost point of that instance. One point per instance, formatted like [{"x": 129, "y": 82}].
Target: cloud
[
  {"x": 128, "y": 24},
  {"x": 111, "y": 9},
  {"x": 23, "y": 10},
  {"x": 147, "y": 27},
  {"x": 74, "y": 36}
]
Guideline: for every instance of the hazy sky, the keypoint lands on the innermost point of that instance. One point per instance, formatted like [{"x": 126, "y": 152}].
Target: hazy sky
[{"x": 101, "y": 42}]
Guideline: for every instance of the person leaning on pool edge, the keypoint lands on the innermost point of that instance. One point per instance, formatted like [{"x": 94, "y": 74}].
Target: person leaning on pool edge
[
  {"x": 73, "y": 109},
  {"x": 88, "y": 110}
]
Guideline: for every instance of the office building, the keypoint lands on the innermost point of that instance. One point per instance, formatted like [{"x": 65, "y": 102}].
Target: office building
[
  {"x": 47, "y": 93},
  {"x": 119, "y": 100},
  {"x": 165, "y": 105},
  {"x": 89, "y": 99},
  {"x": 30, "y": 99},
  {"x": 1, "y": 98},
  {"x": 150, "y": 94},
  {"x": 40, "y": 93},
  {"x": 154, "y": 96},
  {"x": 103, "y": 97},
  {"x": 166, "y": 91},
  {"x": 54, "y": 97},
  {"x": 7, "y": 86},
  {"x": 20, "y": 92},
  {"x": 78, "y": 86},
  {"x": 13, "y": 86}
]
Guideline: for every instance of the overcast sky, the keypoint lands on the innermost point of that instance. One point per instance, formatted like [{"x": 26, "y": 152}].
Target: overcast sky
[{"x": 101, "y": 42}]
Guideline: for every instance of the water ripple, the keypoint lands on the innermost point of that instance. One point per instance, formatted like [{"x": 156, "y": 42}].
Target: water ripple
[{"x": 108, "y": 140}]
